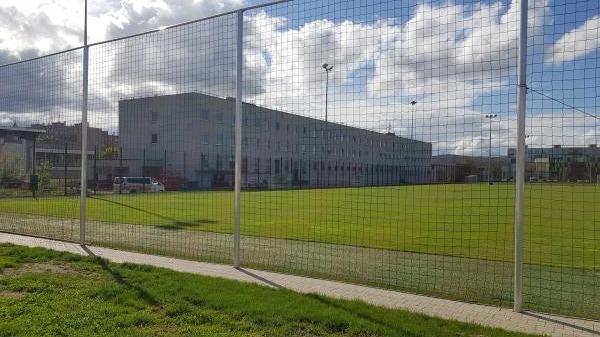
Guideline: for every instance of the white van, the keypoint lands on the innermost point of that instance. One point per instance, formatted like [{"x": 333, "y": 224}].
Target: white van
[{"x": 137, "y": 184}]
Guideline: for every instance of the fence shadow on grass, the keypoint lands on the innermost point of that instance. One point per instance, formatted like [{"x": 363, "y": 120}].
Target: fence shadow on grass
[
  {"x": 362, "y": 314},
  {"x": 260, "y": 278},
  {"x": 174, "y": 224},
  {"x": 142, "y": 293},
  {"x": 559, "y": 320}
]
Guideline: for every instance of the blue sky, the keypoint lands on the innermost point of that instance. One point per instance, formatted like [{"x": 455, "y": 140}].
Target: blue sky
[{"x": 457, "y": 59}]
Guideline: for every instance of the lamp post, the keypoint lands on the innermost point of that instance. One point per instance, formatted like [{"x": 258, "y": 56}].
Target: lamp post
[
  {"x": 412, "y": 119},
  {"x": 327, "y": 68},
  {"x": 490, "y": 116}
]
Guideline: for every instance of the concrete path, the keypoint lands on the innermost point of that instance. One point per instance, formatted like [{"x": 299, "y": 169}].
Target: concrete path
[{"x": 466, "y": 312}]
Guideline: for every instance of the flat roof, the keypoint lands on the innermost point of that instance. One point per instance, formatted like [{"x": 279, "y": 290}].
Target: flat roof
[{"x": 17, "y": 129}]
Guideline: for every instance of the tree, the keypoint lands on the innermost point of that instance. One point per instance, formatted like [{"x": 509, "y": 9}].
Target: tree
[
  {"x": 43, "y": 174},
  {"x": 111, "y": 152},
  {"x": 10, "y": 168}
]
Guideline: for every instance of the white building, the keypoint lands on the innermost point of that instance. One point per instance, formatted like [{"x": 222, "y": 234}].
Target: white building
[{"x": 191, "y": 136}]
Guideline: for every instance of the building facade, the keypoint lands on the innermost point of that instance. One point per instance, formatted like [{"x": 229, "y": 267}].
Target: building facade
[
  {"x": 17, "y": 153},
  {"x": 560, "y": 163},
  {"x": 451, "y": 168},
  {"x": 190, "y": 136}
]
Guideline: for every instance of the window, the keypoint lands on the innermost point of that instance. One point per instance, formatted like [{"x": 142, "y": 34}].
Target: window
[
  {"x": 244, "y": 165},
  {"x": 220, "y": 118},
  {"x": 219, "y": 162},
  {"x": 257, "y": 165},
  {"x": 204, "y": 161},
  {"x": 277, "y": 166},
  {"x": 204, "y": 114},
  {"x": 205, "y": 138},
  {"x": 154, "y": 116},
  {"x": 154, "y": 138}
]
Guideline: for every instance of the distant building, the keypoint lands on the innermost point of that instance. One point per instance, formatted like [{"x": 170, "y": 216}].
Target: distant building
[
  {"x": 559, "y": 163},
  {"x": 59, "y": 134},
  {"x": 60, "y": 146},
  {"x": 191, "y": 136},
  {"x": 450, "y": 168},
  {"x": 17, "y": 149}
]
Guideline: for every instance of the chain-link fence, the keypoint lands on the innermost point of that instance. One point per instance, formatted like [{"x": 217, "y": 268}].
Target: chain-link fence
[{"x": 378, "y": 146}]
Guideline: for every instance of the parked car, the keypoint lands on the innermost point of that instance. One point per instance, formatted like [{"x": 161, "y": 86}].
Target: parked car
[{"x": 137, "y": 185}]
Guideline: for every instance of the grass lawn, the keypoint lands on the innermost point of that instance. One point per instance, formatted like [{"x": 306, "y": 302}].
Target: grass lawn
[
  {"x": 469, "y": 220},
  {"x": 46, "y": 293}
]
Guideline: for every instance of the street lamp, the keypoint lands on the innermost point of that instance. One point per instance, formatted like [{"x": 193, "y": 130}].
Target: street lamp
[
  {"x": 412, "y": 119},
  {"x": 327, "y": 68},
  {"x": 490, "y": 116}
]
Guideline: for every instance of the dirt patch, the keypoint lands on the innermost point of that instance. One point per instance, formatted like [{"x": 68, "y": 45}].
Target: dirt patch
[
  {"x": 12, "y": 294},
  {"x": 42, "y": 267}
]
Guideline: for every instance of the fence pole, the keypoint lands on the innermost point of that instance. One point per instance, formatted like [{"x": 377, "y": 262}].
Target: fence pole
[
  {"x": 521, "y": 157},
  {"x": 65, "y": 168},
  {"x": 95, "y": 169},
  {"x": 238, "y": 139},
  {"x": 84, "y": 132},
  {"x": 120, "y": 165},
  {"x": 238, "y": 129}
]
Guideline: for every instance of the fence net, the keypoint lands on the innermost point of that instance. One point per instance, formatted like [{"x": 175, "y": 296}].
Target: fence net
[
  {"x": 562, "y": 235},
  {"x": 378, "y": 146}
]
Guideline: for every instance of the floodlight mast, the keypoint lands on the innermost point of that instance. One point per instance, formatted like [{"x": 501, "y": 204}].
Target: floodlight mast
[
  {"x": 327, "y": 68},
  {"x": 412, "y": 119}
]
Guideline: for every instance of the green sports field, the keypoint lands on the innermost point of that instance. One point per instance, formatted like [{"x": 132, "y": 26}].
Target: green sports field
[
  {"x": 453, "y": 241},
  {"x": 472, "y": 220}
]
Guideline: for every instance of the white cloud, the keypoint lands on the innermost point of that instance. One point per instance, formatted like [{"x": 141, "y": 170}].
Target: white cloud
[
  {"x": 444, "y": 56},
  {"x": 47, "y": 26},
  {"x": 576, "y": 43},
  {"x": 43, "y": 27}
]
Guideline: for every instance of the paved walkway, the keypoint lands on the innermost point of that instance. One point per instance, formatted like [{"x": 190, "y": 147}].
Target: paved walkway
[{"x": 466, "y": 312}]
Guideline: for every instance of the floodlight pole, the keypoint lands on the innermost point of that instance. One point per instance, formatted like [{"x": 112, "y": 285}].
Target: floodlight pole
[
  {"x": 412, "y": 119},
  {"x": 84, "y": 134},
  {"x": 520, "y": 178},
  {"x": 238, "y": 128},
  {"x": 328, "y": 68}
]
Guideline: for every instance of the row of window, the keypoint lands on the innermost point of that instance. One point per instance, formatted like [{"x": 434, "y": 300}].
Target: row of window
[
  {"x": 314, "y": 149},
  {"x": 277, "y": 166},
  {"x": 332, "y": 135}
]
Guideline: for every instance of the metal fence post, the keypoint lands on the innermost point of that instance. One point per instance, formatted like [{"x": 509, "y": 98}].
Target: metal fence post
[
  {"x": 84, "y": 133},
  {"x": 238, "y": 139},
  {"x": 520, "y": 174},
  {"x": 238, "y": 128}
]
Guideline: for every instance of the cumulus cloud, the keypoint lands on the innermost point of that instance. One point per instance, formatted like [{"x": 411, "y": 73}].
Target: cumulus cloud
[
  {"x": 135, "y": 16},
  {"x": 26, "y": 29},
  {"x": 449, "y": 45},
  {"x": 49, "y": 26},
  {"x": 444, "y": 55},
  {"x": 576, "y": 43}
]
